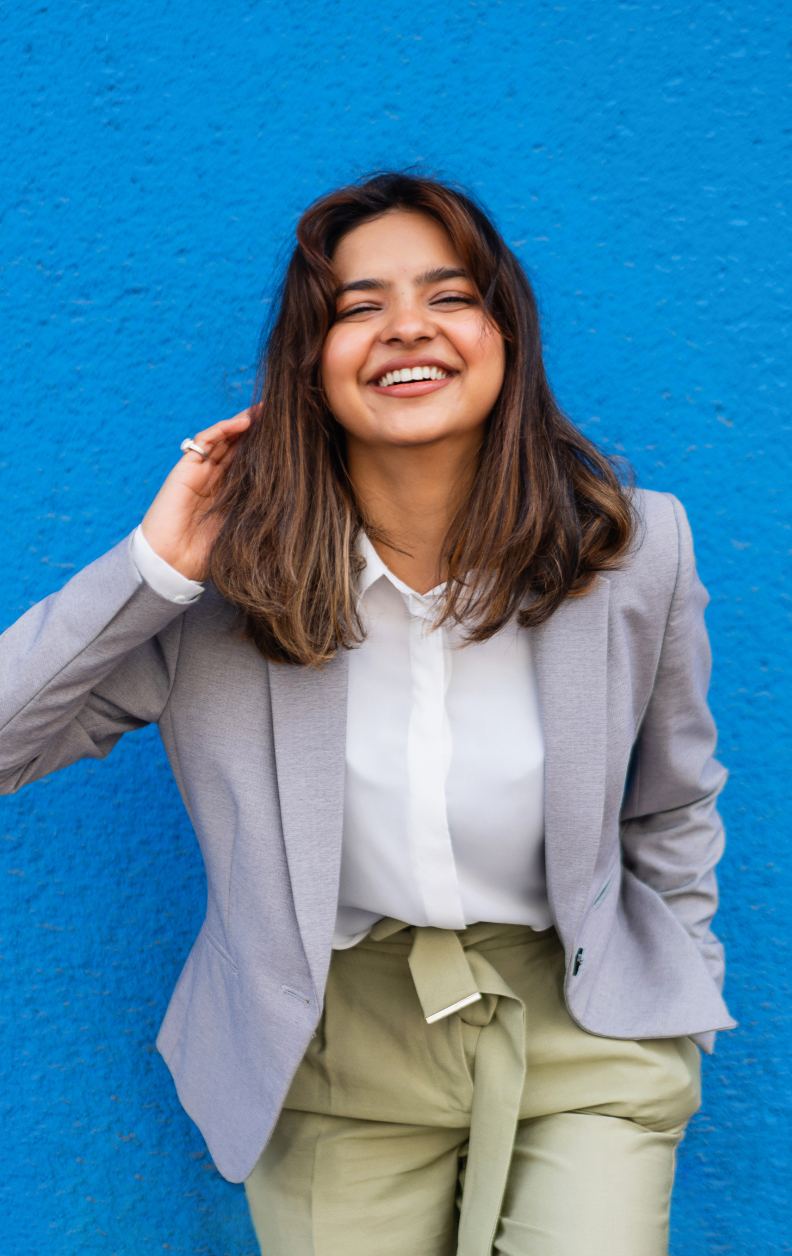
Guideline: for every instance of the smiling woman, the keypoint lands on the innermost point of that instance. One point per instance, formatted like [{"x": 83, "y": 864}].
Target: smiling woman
[
  {"x": 440, "y": 720},
  {"x": 475, "y": 479}
]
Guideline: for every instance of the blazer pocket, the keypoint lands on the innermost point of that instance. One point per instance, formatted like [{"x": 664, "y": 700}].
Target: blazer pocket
[
  {"x": 221, "y": 951},
  {"x": 606, "y": 887}
]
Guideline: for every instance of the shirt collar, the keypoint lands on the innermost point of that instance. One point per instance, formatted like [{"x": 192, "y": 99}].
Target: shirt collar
[
  {"x": 374, "y": 566},
  {"x": 423, "y": 604}
]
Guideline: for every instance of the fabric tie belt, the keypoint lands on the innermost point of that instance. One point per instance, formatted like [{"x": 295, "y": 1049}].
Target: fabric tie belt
[{"x": 452, "y": 978}]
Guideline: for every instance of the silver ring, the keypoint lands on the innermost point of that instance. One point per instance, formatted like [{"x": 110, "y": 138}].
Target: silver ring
[{"x": 189, "y": 446}]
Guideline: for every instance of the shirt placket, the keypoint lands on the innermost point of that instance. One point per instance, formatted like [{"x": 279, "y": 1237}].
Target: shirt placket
[{"x": 429, "y": 756}]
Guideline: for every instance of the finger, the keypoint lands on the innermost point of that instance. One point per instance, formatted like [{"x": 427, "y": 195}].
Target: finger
[
  {"x": 215, "y": 440},
  {"x": 208, "y": 491},
  {"x": 217, "y": 467},
  {"x": 225, "y": 430},
  {"x": 207, "y": 477},
  {"x": 222, "y": 453}
]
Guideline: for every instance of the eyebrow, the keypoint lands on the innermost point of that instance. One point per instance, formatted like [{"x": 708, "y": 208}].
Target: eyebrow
[{"x": 438, "y": 275}]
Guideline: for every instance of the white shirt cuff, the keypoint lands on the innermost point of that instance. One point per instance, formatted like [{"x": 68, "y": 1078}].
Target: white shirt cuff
[{"x": 159, "y": 575}]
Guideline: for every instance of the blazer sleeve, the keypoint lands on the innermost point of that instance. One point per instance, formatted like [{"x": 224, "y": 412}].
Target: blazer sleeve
[
  {"x": 83, "y": 667},
  {"x": 672, "y": 835}
]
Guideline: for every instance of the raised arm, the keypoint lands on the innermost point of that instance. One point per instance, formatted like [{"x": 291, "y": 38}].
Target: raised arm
[{"x": 96, "y": 659}]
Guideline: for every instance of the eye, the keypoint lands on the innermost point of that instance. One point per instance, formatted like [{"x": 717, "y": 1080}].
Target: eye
[
  {"x": 454, "y": 298},
  {"x": 363, "y": 308}
]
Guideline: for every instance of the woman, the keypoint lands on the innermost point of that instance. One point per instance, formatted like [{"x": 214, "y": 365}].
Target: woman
[{"x": 432, "y": 683}]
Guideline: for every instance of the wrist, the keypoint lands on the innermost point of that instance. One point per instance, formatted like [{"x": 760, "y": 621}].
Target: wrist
[
  {"x": 163, "y": 576},
  {"x": 184, "y": 564}
]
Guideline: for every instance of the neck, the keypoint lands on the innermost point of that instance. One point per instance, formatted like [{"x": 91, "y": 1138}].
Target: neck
[{"x": 410, "y": 494}]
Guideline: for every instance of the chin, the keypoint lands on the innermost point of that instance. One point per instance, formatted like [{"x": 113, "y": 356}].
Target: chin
[
  {"x": 414, "y": 432},
  {"x": 415, "y": 425}
]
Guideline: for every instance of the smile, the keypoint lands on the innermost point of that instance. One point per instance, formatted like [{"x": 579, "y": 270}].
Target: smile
[{"x": 410, "y": 373}]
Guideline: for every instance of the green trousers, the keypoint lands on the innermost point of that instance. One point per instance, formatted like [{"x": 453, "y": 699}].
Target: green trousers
[{"x": 449, "y": 1104}]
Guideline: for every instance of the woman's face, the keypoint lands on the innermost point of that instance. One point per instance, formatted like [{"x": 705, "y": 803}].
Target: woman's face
[{"x": 405, "y": 304}]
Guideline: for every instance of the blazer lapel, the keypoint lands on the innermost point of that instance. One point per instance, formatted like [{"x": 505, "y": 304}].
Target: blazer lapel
[
  {"x": 309, "y": 726},
  {"x": 571, "y": 655},
  {"x": 309, "y": 723}
]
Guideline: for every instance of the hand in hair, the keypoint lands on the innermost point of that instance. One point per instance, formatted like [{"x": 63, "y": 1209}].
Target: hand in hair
[{"x": 176, "y": 525}]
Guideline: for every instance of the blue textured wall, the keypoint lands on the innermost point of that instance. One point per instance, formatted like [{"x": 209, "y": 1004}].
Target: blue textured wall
[{"x": 154, "y": 159}]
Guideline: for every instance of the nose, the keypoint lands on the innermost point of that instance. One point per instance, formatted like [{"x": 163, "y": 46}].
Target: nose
[{"x": 409, "y": 323}]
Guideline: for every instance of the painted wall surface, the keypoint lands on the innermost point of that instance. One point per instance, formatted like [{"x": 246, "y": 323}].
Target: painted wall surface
[{"x": 154, "y": 159}]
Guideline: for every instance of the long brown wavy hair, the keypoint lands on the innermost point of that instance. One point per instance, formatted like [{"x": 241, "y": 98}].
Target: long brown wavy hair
[{"x": 547, "y": 509}]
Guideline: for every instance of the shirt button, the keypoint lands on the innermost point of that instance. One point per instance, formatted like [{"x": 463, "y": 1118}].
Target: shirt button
[{"x": 180, "y": 598}]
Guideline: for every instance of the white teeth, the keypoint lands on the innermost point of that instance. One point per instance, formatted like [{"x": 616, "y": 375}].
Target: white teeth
[{"x": 408, "y": 374}]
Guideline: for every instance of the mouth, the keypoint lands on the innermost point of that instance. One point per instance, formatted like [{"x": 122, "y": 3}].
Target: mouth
[{"x": 412, "y": 381}]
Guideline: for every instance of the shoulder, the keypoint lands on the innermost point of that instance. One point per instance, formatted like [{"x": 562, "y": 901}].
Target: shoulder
[
  {"x": 661, "y": 547},
  {"x": 660, "y": 515}
]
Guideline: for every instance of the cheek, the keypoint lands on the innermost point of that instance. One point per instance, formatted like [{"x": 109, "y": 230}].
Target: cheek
[
  {"x": 342, "y": 359},
  {"x": 485, "y": 353}
]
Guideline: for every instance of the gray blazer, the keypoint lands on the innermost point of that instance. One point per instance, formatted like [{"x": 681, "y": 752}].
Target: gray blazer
[{"x": 257, "y": 749}]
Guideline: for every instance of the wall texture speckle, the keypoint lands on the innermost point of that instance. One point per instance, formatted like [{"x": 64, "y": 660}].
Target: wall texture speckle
[{"x": 153, "y": 160}]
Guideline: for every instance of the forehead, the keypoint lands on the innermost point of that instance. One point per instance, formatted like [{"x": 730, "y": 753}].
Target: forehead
[{"x": 400, "y": 240}]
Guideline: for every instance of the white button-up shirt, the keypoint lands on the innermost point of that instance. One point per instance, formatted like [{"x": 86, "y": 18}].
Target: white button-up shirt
[{"x": 443, "y": 802}]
